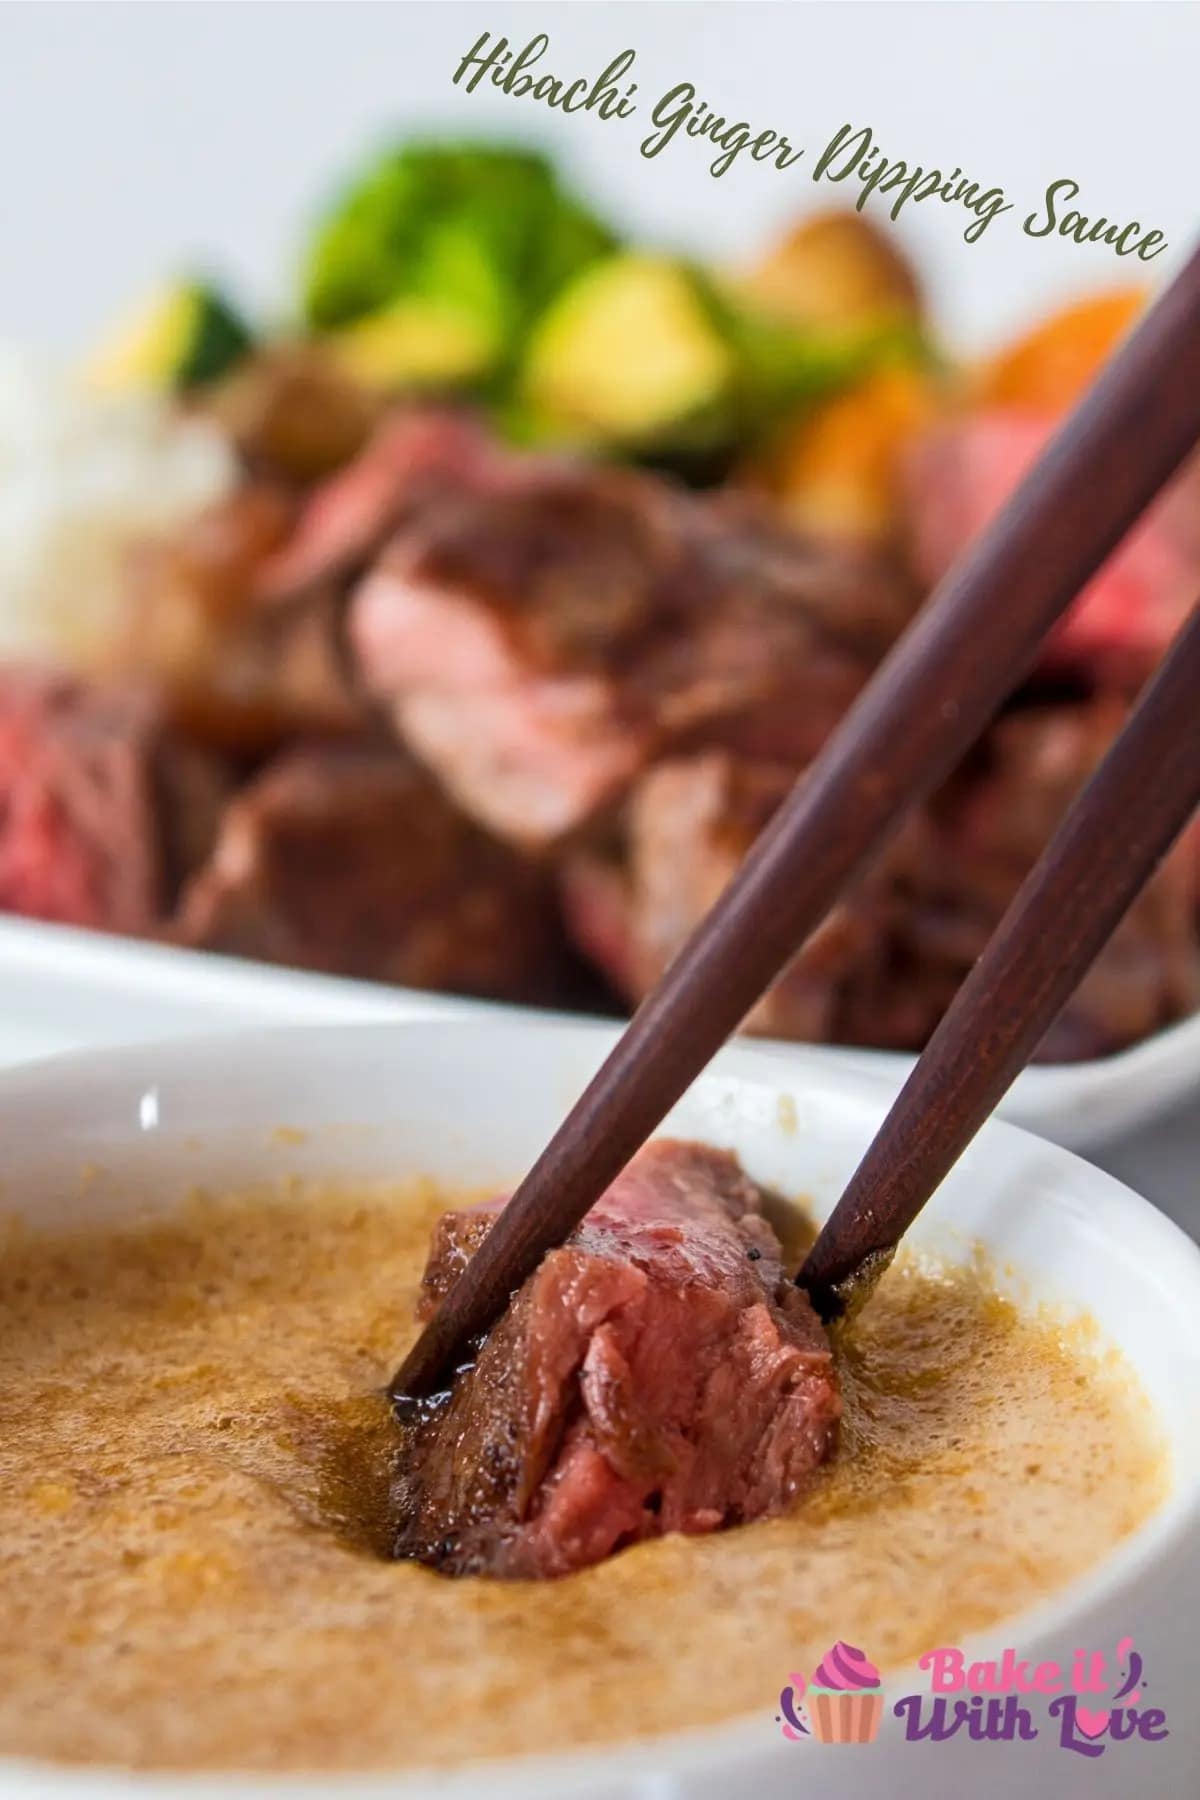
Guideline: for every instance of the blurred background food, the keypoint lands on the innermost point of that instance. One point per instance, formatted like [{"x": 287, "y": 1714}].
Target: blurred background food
[{"x": 461, "y": 623}]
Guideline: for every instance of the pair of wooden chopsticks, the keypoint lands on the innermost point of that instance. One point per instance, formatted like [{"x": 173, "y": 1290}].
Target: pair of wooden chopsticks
[{"x": 967, "y": 649}]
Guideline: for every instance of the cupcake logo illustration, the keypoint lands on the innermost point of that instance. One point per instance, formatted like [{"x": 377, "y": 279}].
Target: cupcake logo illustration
[
  {"x": 842, "y": 1700},
  {"x": 1087, "y": 1704}
]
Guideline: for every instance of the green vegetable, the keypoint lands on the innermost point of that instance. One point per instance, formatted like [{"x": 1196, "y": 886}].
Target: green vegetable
[
  {"x": 631, "y": 354},
  {"x": 415, "y": 344},
  {"x": 645, "y": 355},
  {"x": 180, "y": 338},
  {"x": 786, "y": 367},
  {"x": 434, "y": 264}
]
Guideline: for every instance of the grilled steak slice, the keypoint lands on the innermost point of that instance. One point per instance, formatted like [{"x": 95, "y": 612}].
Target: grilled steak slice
[
  {"x": 235, "y": 670},
  {"x": 1125, "y": 617},
  {"x": 408, "y": 460},
  {"x": 347, "y": 859},
  {"x": 103, "y": 808},
  {"x": 992, "y": 823},
  {"x": 541, "y": 631},
  {"x": 238, "y": 613},
  {"x": 657, "y": 1373},
  {"x": 688, "y": 825},
  {"x": 885, "y": 964}
]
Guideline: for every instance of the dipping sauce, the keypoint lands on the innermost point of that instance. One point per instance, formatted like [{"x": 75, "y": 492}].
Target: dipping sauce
[{"x": 194, "y": 1465}]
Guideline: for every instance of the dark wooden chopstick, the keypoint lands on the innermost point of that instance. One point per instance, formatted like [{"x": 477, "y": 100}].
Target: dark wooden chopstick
[
  {"x": 1110, "y": 842},
  {"x": 969, "y": 646}
]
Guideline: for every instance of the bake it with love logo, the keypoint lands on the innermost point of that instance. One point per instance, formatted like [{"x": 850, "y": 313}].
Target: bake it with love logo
[{"x": 1085, "y": 1705}]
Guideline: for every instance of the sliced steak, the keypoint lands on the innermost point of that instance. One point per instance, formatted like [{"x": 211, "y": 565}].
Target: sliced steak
[
  {"x": 689, "y": 823},
  {"x": 489, "y": 627},
  {"x": 657, "y": 1373},
  {"x": 347, "y": 859},
  {"x": 539, "y": 635},
  {"x": 239, "y": 672},
  {"x": 407, "y": 461},
  {"x": 238, "y": 613},
  {"x": 103, "y": 808},
  {"x": 1125, "y": 617},
  {"x": 992, "y": 823},
  {"x": 883, "y": 967}
]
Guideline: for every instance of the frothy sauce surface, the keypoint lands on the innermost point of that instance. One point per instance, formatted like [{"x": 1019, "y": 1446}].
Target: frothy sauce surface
[{"x": 194, "y": 1453}]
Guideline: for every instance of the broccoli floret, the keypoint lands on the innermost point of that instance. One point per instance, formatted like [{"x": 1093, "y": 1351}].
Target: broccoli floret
[{"x": 476, "y": 239}]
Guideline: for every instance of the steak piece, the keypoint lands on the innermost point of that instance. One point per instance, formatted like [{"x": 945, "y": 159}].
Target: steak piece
[
  {"x": 238, "y": 613},
  {"x": 1119, "y": 627},
  {"x": 657, "y": 1373},
  {"x": 103, "y": 808},
  {"x": 544, "y": 629},
  {"x": 347, "y": 859},
  {"x": 688, "y": 825},
  {"x": 883, "y": 967},
  {"x": 235, "y": 670},
  {"x": 409, "y": 459},
  {"x": 993, "y": 821}
]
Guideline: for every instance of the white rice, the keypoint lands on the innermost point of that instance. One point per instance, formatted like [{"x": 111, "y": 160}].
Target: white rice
[{"x": 82, "y": 478}]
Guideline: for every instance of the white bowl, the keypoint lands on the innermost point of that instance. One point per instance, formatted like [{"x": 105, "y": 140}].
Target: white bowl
[
  {"x": 66, "y": 989},
  {"x": 470, "y": 1102}
]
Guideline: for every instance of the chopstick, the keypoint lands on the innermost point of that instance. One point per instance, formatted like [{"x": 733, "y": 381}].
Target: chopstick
[
  {"x": 966, "y": 650},
  {"x": 1103, "y": 853}
]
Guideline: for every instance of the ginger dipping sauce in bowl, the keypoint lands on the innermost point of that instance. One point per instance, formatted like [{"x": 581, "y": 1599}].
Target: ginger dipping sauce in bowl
[{"x": 211, "y": 1256}]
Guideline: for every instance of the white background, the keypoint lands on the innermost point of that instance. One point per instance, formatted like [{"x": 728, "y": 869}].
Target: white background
[{"x": 136, "y": 139}]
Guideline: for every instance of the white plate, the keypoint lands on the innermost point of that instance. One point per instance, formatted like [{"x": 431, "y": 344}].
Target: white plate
[{"x": 62, "y": 989}]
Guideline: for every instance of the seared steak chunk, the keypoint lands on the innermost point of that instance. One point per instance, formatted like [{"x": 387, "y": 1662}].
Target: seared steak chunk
[
  {"x": 992, "y": 823},
  {"x": 408, "y": 460},
  {"x": 657, "y": 1373},
  {"x": 103, "y": 808},
  {"x": 632, "y": 903},
  {"x": 235, "y": 670},
  {"x": 1127, "y": 614},
  {"x": 883, "y": 967},
  {"x": 544, "y": 628},
  {"x": 346, "y": 858}
]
